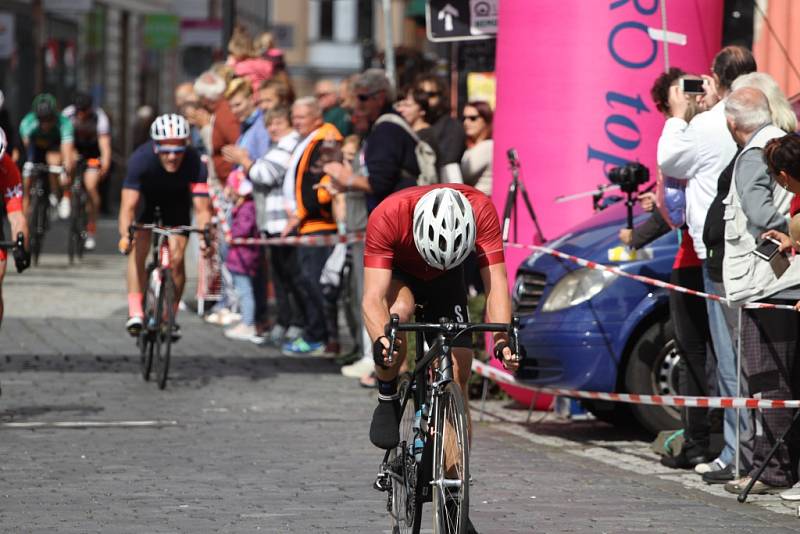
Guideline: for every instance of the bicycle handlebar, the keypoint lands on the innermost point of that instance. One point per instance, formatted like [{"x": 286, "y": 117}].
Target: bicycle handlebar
[
  {"x": 29, "y": 168},
  {"x": 168, "y": 231},
  {"x": 445, "y": 326},
  {"x": 19, "y": 243}
]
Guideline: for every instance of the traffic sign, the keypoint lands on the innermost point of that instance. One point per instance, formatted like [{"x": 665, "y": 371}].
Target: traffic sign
[{"x": 461, "y": 20}]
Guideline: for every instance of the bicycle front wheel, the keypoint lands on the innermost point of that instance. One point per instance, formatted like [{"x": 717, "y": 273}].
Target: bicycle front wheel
[
  {"x": 404, "y": 467},
  {"x": 166, "y": 310},
  {"x": 36, "y": 223},
  {"x": 147, "y": 337},
  {"x": 450, "y": 463}
]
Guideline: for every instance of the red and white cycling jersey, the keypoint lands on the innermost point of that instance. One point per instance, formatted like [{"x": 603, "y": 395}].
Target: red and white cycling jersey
[
  {"x": 10, "y": 188},
  {"x": 390, "y": 237},
  {"x": 10, "y": 184}
]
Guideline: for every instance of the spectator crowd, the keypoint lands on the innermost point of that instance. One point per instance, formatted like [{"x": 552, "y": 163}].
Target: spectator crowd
[
  {"x": 284, "y": 164},
  {"x": 727, "y": 178},
  {"x": 316, "y": 165}
]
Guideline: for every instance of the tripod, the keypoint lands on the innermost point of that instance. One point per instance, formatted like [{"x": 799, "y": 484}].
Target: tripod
[{"x": 511, "y": 199}]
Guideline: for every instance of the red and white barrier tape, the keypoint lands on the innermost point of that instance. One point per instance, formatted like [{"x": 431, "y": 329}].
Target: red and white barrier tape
[
  {"x": 333, "y": 239},
  {"x": 644, "y": 279},
  {"x": 636, "y": 398},
  {"x": 308, "y": 240}
]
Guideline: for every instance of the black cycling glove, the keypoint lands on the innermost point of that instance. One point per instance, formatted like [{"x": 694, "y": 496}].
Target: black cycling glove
[{"x": 22, "y": 259}]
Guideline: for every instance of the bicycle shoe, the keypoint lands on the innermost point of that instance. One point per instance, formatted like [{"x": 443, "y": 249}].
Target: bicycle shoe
[
  {"x": 176, "y": 332},
  {"x": 384, "y": 432},
  {"x": 134, "y": 325}
]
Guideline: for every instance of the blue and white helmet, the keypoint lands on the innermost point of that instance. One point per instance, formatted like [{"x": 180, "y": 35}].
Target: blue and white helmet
[
  {"x": 444, "y": 228},
  {"x": 169, "y": 126}
]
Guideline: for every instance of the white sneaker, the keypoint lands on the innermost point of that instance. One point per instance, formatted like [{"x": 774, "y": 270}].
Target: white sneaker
[
  {"x": 715, "y": 465},
  {"x": 359, "y": 368},
  {"x": 230, "y": 318},
  {"x": 223, "y": 317},
  {"x": 64, "y": 208},
  {"x": 792, "y": 494},
  {"x": 243, "y": 332},
  {"x": 90, "y": 243}
]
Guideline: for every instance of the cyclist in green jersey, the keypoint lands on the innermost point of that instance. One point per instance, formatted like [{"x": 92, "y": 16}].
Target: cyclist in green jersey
[{"x": 48, "y": 137}]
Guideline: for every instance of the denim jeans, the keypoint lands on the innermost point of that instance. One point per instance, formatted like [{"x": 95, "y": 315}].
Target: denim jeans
[
  {"x": 723, "y": 335},
  {"x": 244, "y": 285}
]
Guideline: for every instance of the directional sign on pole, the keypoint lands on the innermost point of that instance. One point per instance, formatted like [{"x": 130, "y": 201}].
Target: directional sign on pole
[{"x": 461, "y": 20}]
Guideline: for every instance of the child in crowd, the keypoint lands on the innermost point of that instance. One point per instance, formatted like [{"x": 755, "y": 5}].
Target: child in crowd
[{"x": 243, "y": 260}]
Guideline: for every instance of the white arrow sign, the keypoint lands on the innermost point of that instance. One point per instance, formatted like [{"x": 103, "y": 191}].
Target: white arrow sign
[{"x": 447, "y": 13}]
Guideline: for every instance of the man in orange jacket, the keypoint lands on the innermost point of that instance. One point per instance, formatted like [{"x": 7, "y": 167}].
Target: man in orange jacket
[{"x": 313, "y": 215}]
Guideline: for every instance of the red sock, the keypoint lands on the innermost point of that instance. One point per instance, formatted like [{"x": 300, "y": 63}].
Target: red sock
[{"x": 135, "y": 305}]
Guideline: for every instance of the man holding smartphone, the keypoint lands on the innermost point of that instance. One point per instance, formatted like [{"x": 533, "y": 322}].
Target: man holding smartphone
[{"x": 769, "y": 338}]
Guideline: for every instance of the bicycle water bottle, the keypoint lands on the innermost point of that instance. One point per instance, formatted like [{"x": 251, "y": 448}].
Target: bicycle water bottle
[{"x": 419, "y": 444}]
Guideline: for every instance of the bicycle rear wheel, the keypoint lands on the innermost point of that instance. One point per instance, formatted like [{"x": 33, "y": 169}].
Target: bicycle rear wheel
[
  {"x": 404, "y": 468},
  {"x": 166, "y": 314},
  {"x": 74, "y": 239},
  {"x": 147, "y": 335},
  {"x": 450, "y": 463}
]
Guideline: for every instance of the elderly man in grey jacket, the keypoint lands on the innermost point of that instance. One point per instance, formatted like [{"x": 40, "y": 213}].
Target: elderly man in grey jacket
[{"x": 769, "y": 338}]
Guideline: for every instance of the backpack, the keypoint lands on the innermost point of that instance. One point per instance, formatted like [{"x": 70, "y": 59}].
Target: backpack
[{"x": 426, "y": 157}]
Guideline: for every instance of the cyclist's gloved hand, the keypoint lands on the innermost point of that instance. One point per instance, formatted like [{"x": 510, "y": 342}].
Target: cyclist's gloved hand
[
  {"x": 22, "y": 259},
  {"x": 502, "y": 351},
  {"x": 380, "y": 352}
]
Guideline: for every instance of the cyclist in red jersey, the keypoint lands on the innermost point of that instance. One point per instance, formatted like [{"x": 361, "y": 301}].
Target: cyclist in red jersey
[
  {"x": 417, "y": 240},
  {"x": 11, "y": 191}
]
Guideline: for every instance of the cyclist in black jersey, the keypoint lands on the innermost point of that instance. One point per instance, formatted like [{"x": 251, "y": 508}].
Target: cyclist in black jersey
[{"x": 93, "y": 145}]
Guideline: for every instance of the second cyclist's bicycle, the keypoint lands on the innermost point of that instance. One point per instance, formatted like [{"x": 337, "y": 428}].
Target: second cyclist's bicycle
[
  {"x": 38, "y": 217},
  {"x": 160, "y": 300},
  {"x": 431, "y": 462}
]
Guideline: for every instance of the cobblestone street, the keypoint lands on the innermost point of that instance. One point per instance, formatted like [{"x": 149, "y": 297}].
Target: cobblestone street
[{"x": 245, "y": 440}]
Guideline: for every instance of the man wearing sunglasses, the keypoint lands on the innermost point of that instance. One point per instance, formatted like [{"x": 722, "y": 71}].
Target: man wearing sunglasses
[{"x": 164, "y": 173}]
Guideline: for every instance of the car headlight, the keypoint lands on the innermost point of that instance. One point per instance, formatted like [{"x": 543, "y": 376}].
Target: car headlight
[{"x": 578, "y": 286}]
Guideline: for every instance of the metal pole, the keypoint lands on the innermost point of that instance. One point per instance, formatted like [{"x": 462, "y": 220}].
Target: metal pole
[
  {"x": 228, "y": 22},
  {"x": 664, "y": 29},
  {"x": 38, "y": 38},
  {"x": 388, "y": 47},
  {"x": 738, "y": 356},
  {"x": 483, "y": 397}
]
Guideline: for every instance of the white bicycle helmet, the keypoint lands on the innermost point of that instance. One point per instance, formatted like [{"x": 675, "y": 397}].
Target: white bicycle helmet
[
  {"x": 3, "y": 142},
  {"x": 444, "y": 228},
  {"x": 169, "y": 126}
]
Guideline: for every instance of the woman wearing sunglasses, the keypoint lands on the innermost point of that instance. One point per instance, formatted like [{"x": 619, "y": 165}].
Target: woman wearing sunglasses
[{"x": 476, "y": 163}]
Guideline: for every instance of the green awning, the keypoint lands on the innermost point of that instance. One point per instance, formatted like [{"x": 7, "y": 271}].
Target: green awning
[{"x": 415, "y": 8}]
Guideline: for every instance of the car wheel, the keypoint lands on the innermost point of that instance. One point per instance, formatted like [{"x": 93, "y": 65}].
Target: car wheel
[{"x": 653, "y": 370}]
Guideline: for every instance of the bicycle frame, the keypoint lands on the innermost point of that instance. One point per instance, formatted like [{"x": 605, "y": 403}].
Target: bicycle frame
[{"x": 429, "y": 380}]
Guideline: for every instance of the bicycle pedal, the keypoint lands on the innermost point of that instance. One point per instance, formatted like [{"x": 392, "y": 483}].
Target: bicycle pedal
[{"x": 383, "y": 482}]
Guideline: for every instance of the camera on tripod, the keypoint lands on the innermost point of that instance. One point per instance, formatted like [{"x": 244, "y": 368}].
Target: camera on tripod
[{"x": 629, "y": 176}]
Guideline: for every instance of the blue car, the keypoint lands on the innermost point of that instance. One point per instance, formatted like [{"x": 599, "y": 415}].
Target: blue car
[{"x": 592, "y": 330}]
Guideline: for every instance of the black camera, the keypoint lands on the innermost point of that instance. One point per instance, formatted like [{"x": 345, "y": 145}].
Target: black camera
[{"x": 629, "y": 176}]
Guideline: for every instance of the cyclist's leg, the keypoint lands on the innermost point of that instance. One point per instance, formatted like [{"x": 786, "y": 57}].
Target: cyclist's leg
[
  {"x": 91, "y": 181},
  {"x": 384, "y": 430},
  {"x": 54, "y": 158},
  {"x": 136, "y": 273},
  {"x": 177, "y": 248}
]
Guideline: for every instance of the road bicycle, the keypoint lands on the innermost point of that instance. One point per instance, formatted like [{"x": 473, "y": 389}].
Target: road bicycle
[
  {"x": 160, "y": 299},
  {"x": 38, "y": 211},
  {"x": 79, "y": 215},
  {"x": 431, "y": 462}
]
